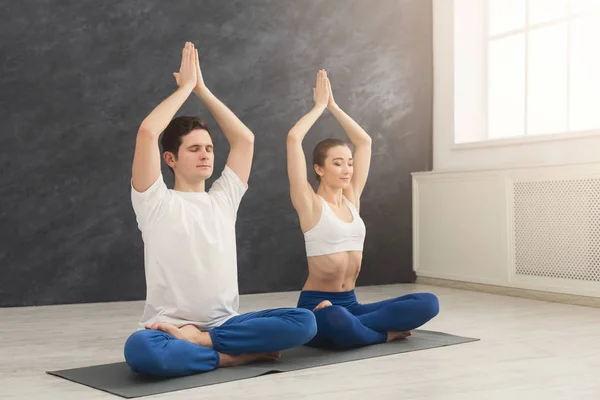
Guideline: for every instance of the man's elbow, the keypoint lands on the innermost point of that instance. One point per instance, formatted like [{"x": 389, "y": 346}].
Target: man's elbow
[
  {"x": 245, "y": 141},
  {"x": 147, "y": 132}
]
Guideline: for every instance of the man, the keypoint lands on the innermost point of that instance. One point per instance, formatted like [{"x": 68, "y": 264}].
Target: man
[{"x": 190, "y": 317}]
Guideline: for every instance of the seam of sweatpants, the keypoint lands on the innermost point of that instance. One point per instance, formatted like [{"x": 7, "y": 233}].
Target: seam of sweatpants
[{"x": 214, "y": 337}]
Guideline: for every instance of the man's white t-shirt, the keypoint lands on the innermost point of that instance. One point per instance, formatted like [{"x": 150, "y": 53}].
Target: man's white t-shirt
[{"x": 190, "y": 252}]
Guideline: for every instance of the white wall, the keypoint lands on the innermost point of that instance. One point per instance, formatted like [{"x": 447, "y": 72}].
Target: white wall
[
  {"x": 466, "y": 228},
  {"x": 457, "y": 111}
]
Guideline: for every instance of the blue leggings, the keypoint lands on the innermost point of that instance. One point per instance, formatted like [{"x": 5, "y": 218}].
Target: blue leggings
[
  {"x": 347, "y": 323},
  {"x": 156, "y": 353}
]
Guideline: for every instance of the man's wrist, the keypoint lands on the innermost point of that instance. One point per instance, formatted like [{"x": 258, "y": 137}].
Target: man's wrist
[
  {"x": 186, "y": 88},
  {"x": 319, "y": 109},
  {"x": 201, "y": 91},
  {"x": 333, "y": 107}
]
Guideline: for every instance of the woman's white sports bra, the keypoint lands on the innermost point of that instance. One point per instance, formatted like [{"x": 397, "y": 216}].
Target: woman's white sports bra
[{"x": 332, "y": 235}]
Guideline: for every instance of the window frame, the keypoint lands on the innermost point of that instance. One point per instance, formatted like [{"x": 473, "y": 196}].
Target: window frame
[{"x": 568, "y": 18}]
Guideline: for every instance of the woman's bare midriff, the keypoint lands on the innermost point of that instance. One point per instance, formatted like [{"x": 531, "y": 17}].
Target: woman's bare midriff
[{"x": 333, "y": 272}]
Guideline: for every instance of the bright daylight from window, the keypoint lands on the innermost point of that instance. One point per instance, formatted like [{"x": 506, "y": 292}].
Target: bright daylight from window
[{"x": 543, "y": 66}]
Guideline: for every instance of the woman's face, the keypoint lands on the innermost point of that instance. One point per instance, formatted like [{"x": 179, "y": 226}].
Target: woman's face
[{"x": 338, "y": 169}]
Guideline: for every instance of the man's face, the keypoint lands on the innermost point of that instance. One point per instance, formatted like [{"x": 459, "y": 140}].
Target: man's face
[{"x": 195, "y": 156}]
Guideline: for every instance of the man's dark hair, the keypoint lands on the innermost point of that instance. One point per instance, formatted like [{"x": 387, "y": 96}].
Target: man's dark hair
[{"x": 174, "y": 132}]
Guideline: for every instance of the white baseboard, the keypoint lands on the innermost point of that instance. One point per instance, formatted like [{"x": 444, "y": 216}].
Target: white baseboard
[{"x": 577, "y": 300}]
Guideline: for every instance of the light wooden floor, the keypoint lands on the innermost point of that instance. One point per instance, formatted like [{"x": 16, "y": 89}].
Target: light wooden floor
[{"x": 528, "y": 350}]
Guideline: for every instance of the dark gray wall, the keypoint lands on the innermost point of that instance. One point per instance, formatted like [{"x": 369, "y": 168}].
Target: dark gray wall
[{"x": 78, "y": 77}]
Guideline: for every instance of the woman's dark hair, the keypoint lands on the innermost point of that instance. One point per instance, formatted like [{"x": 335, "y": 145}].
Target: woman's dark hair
[{"x": 322, "y": 148}]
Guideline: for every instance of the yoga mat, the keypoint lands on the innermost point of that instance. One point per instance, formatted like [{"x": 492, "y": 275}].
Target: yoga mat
[{"x": 118, "y": 379}]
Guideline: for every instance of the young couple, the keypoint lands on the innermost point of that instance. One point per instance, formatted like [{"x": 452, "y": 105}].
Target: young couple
[{"x": 190, "y": 322}]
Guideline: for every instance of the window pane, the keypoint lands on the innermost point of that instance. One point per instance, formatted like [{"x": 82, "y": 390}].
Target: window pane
[
  {"x": 506, "y": 15},
  {"x": 547, "y": 80},
  {"x": 578, "y": 6},
  {"x": 506, "y": 86},
  {"x": 585, "y": 74},
  {"x": 545, "y": 10}
]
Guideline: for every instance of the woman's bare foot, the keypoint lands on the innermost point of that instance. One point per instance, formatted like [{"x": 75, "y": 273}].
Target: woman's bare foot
[
  {"x": 186, "y": 332},
  {"x": 397, "y": 335},
  {"x": 228, "y": 360},
  {"x": 323, "y": 304}
]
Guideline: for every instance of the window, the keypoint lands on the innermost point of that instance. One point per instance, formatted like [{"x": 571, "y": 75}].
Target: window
[{"x": 543, "y": 67}]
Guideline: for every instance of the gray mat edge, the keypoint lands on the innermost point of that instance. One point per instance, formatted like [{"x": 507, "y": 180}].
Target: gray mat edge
[
  {"x": 118, "y": 394},
  {"x": 260, "y": 370},
  {"x": 57, "y": 374}
]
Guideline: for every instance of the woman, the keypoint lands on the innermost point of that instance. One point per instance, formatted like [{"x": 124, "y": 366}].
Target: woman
[{"x": 334, "y": 235}]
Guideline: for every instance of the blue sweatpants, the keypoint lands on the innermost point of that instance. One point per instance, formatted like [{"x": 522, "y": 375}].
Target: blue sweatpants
[
  {"x": 347, "y": 323},
  {"x": 156, "y": 353}
]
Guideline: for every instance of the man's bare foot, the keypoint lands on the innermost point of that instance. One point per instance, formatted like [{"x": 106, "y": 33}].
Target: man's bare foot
[
  {"x": 195, "y": 335},
  {"x": 168, "y": 328},
  {"x": 228, "y": 360},
  {"x": 186, "y": 332},
  {"x": 323, "y": 304},
  {"x": 397, "y": 335}
]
